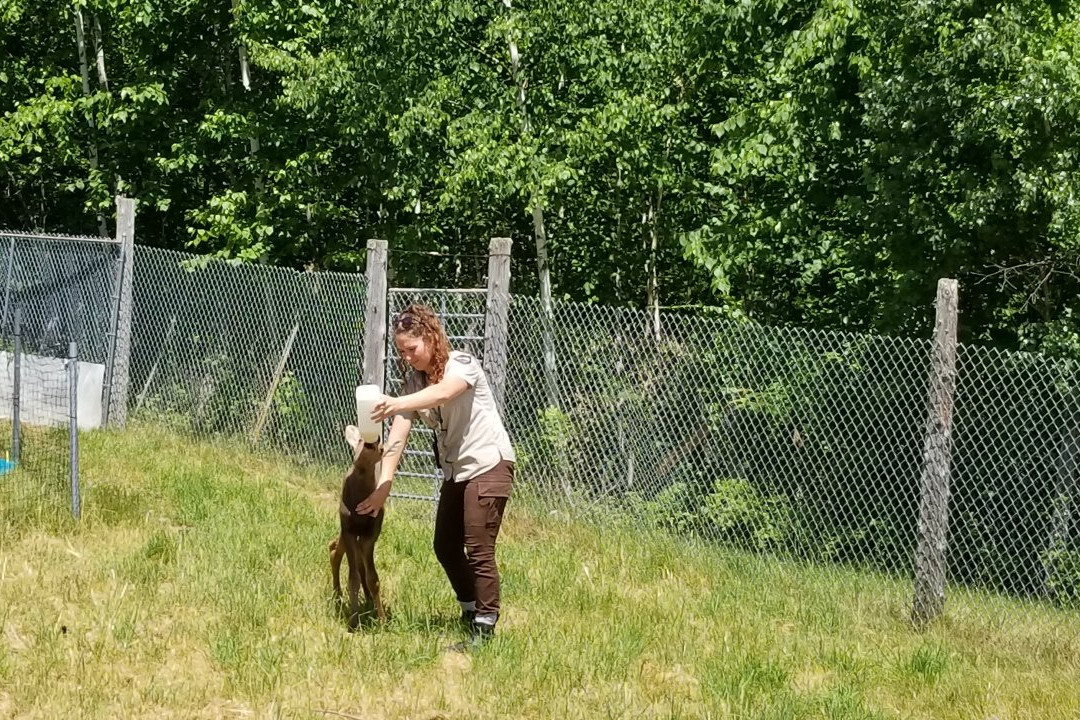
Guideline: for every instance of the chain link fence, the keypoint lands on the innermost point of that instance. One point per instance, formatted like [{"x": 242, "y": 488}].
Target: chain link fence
[
  {"x": 781, "y": 442},
  {"x": 257, "y": 353},
  {"x": 54, "y": 343},
  {"x": 1013, "y": 519},
  {"x": 784, "y": 442},
  {"x": 802, "y": 444},
  {"x": 38, "y": 470}
]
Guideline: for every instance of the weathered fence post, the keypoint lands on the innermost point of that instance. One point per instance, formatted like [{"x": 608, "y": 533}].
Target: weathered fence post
[
  {"x": 73, "y": 427},
  {"x": 114, "y": 407},
  {"x": 931, "y": 555},
  {"x": 497, "y": 317},
  {"x": 375, "y": 321}
]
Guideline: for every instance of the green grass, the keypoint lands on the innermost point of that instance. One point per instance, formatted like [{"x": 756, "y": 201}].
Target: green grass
[{"x": 197, "y": 585}]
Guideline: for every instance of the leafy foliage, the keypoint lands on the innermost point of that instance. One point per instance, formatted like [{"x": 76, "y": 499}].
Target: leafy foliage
[{"x": 819, "y": 162}]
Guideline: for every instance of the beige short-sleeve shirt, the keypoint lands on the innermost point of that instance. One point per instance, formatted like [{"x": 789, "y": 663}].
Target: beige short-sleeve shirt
[{"x": 471, "y": 435}]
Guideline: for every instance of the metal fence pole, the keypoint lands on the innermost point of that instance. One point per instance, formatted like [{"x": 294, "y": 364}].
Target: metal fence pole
[
  {"x": 73, "y": 425},
  {"x": 16, "y": 385}
]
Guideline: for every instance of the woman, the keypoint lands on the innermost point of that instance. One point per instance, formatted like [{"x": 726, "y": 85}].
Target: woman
[{"x": 449, "y": 392}]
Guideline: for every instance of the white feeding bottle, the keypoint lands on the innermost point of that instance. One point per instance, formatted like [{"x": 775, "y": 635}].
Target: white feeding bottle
[{"x": 366, "y": 397}]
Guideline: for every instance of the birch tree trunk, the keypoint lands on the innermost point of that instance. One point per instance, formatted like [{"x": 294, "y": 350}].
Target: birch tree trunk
[
  {"x": 652, "y": 291},
  {"x": 540, "y": 233},
  {"x": 84, "y": 71},
  {"x": 245, "y": 80},
  {"x": 99, "y": 54},
  {"x": 652, "y": 298}
]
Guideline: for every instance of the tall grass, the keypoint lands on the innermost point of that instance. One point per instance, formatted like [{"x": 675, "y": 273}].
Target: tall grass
[{"x": 197, "y": 585}]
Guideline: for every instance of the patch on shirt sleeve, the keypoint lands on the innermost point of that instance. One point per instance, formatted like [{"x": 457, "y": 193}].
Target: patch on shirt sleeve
[{"x": 465, "y": 368}]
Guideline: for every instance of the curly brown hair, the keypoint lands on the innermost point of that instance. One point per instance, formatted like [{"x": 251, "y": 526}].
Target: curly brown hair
[{"x": 420, "y": 321}]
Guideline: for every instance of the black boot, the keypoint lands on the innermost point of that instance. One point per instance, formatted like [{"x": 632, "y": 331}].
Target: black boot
[{"x": 479, "y": 635}]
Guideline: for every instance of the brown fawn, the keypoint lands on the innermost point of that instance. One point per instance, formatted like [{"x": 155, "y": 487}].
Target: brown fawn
[{"x": 358, "y": 532}]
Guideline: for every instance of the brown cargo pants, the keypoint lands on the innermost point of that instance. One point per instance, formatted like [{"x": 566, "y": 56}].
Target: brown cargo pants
[{"x": 467, "y": 523}]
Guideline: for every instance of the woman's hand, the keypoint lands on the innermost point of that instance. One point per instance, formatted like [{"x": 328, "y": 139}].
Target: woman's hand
[
  {"x": 374, "y": 502},
  {"x": 385, "y": 407}
]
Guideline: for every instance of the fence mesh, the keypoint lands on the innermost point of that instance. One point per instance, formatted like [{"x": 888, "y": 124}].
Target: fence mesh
[
  {"x": 57, "y": 291},
  {"x": 780, "y": 442},
  {"x": 801, "y": 444},
  {"x": 790, "y": 442},
  {"x": 1013, "y": 520},
  {"x": 35, "y": 469},
  {"x": 64, "y": 286},
  {"x": 258, "y": 353}
]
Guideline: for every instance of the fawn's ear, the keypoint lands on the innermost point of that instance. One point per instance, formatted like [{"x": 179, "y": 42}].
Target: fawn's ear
[{"x": 352, "y": 436}]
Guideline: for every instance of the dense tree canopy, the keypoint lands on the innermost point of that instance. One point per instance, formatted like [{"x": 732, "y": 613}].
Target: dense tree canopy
[{"x": 819, "y": 162}]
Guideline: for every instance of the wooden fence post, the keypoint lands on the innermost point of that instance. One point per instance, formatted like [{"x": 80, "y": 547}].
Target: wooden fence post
[
  {"x": 931, "y": 555},
  {"x": 375, "y": 320},
  {"x": 114, "y": 410},
  {"x": 497, "y": 316}
]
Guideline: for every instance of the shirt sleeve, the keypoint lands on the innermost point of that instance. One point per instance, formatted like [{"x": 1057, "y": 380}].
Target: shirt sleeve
[{"x": 465, "y": 366}]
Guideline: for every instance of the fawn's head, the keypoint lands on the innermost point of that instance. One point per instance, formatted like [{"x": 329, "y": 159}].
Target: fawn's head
[{"x": 365, "y": 455}]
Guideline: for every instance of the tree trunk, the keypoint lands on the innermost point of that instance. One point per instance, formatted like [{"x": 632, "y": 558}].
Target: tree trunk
[
  {"x": 99, "y": 53},
  {"x": 653, "y": 282},
  {"x": 542, "y": 266},
  {"x": 1062, "y": 502},
  {"x": 652, "y": 297},
  {"x": 547, "y": 314},
  {"x": 84, "y": 70},
  {"x": 245, "y": 80}
]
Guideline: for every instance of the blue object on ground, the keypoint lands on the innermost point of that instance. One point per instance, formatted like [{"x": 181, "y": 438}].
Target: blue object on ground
[{"x": 6, "y": 466}]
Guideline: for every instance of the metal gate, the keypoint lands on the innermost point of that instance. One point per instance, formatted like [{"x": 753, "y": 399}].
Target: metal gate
[{"x": 462, "y": 313}]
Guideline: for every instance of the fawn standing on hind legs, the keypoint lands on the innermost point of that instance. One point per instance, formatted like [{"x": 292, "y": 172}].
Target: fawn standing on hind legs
[{"x": 358, "y": 532}]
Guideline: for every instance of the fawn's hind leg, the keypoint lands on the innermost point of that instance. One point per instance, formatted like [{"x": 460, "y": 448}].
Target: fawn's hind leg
[
  {"x": 337, "y": 551},
  {"x": 371, "y": 576}
]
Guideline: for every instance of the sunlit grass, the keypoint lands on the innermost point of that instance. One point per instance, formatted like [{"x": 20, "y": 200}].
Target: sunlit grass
[{"x": 197, "y": 585}]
